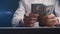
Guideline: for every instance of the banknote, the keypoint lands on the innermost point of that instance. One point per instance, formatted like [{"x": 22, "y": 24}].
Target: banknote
[{"x": 41, "y": 9}]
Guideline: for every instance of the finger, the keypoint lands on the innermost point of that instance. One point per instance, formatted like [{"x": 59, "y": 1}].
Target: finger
[
  {"x": 53, "y": 21},
  {"x": 34, "y": 15},
  {"x": 30, "y": 19},
  {"x": 50, "y": 16},
  {"x": 31, "y": 22},
  {"x": 33, "y": 18}
]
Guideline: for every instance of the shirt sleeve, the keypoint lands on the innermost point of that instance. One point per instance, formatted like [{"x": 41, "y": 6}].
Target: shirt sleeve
[
  {"x": 18, "y": 15},
  {"x": 57, "y": 11}
]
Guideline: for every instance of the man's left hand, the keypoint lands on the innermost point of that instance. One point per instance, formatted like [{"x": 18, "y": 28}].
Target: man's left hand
[{"x": 50, "y": 20}]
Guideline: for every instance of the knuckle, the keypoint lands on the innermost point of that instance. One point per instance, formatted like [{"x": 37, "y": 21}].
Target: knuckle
[
  {"x": 32, "y": 21},
  {"x": 35, "y": 15},
  {"x": 33, "y": 18}
]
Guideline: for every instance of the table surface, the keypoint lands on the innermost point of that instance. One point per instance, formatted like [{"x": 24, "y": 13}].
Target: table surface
[{"x": 26, "y": 27}]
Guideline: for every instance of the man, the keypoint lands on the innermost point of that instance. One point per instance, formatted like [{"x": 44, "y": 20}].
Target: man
[{"x": 23, "y": 13}]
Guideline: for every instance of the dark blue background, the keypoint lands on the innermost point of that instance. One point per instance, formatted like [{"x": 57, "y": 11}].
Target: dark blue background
[{"x": 7, "y": 9}]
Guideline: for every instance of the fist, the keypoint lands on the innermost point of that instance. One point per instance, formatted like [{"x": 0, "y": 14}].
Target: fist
[
  {"x": 49, "y": 20},
  {"x": 30, "y": 20}
]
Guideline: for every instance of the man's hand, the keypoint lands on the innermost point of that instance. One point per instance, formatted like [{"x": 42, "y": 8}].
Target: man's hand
[
  {"x": 30, "y": 20},
  {"x": 49, "y": 20}
]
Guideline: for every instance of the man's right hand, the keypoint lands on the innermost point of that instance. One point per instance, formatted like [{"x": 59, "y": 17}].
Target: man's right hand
[{"x": 30, "y": 20}]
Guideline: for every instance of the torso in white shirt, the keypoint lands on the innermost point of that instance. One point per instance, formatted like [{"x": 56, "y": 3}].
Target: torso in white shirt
[
  {"x": 27, "y": 4},
  {"x": 19, "y": 14}
]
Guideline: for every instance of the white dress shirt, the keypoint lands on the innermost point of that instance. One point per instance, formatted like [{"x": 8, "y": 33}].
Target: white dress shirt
[{"x": 25, "y": 8}]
